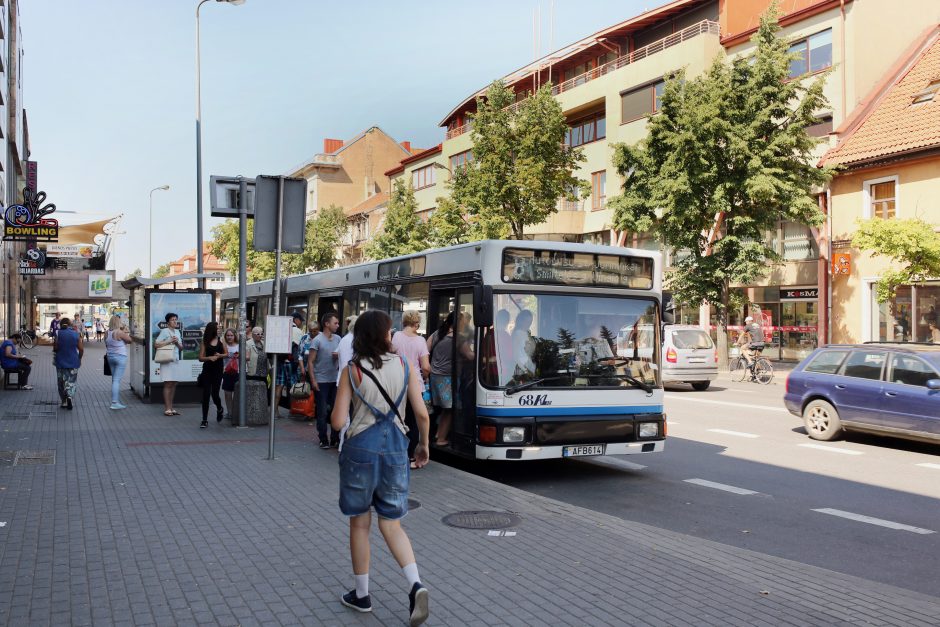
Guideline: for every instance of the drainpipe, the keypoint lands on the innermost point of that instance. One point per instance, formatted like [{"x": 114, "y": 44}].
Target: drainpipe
[
  {"x": 829, "y": 269},
  {"x": 842, "y": 46}
]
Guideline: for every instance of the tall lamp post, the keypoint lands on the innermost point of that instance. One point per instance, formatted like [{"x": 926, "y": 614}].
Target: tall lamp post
[
  {"x": 150, "y": 233},
  {"x": 199, "y": 256}
]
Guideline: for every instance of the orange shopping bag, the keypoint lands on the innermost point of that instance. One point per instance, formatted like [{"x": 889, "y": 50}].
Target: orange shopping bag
[{"x": 303, "y": 406}]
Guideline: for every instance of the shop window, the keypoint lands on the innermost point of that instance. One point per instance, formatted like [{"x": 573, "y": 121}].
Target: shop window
[
  {"x": 912, "y": 315},
  {"x": 881, "y": 196}
]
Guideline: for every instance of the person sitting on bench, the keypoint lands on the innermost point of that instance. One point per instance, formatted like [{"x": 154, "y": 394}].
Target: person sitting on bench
[{"x": 12, "y": 362}]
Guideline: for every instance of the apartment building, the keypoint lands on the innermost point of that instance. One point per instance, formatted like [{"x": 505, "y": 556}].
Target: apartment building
[
  {"x": 889, "y": 159},
  {"x": 610, "y": 82}
]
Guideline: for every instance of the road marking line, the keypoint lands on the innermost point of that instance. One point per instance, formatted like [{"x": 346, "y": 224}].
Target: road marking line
[
  {"x": 934, "y": 466},
  {"x": 688, "y": 397},
  {"x": 831, "y": 449},
  {"x": 720, "y": 486},
  {"x": 739, "y": 434},
  {"x": 614, "y": 462},
  {"x": 873, "y": 521}
]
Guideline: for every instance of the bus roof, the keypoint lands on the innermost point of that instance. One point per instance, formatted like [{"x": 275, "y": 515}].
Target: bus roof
[{"x": 483, "y": 257}]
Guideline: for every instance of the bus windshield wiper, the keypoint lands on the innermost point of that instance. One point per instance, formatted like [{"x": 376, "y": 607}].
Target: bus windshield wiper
[
  {"x": 525, "y": 386},
  {"x": 646, "y": 387}
]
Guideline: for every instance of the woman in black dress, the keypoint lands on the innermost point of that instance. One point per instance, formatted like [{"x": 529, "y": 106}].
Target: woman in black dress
[{"x": 211, "y": 354}]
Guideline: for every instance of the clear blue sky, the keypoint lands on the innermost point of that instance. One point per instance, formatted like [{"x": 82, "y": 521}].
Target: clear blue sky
[{"x": 110, "y": 90}]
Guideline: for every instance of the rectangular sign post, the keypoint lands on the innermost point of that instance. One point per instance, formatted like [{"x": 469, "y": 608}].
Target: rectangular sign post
[{"x": 280, "y": 225}]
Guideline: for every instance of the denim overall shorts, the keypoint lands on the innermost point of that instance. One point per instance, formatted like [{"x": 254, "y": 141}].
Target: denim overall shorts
[{"x": 373, "y": 464}]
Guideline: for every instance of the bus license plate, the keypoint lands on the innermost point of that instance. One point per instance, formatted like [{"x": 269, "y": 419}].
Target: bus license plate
[{"x": 582, "y": 450}]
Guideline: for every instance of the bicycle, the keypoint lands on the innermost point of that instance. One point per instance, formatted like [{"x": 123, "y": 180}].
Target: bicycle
[
  {"x": 761, "y": 371},
  {"x": 28, "y": 337}
]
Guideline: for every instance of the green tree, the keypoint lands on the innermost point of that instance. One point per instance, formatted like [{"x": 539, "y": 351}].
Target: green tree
[
  {"x": 724, "y": 161},
  {"x": 323, "y": 236},
  {"x": 449, "y": 225},
  {"x": 137, "y": 272},
  {"x": 912, "y": 245},
  {"x": 403, "y": 232},
  {"x": 521, "y": 166},
  {"x": 161, "y": 271}
]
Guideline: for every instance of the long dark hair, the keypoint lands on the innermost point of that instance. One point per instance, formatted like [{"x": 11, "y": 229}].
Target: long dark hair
[
  {"x": 211, "y": 332},
  {"x": 371, "y": 339},
  {"x": 445, "y": 327}
]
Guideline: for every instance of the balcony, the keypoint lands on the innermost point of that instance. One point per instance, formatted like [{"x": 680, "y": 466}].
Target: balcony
[{"x": 327, "y": 161}]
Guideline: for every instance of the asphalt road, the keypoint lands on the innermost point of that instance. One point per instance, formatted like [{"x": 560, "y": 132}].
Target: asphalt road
[{"x": 739, "y": 469}]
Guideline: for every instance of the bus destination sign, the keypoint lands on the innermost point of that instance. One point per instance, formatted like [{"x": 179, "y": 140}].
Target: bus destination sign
[{"x": 565, "y": 268}]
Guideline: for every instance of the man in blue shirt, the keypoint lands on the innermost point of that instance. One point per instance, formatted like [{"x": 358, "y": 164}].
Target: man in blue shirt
[
  {"x": 325, "y": 357},
  {"x": 13, "y": 362}
]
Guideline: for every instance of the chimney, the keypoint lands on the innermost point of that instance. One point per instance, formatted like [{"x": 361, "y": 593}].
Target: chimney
[
  {"x": 332, "y": 145},
  {"x": 406, "y": 146}
]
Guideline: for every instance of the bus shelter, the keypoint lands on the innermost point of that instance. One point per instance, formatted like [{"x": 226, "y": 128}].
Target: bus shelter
[{"x": 150, "y": 301}]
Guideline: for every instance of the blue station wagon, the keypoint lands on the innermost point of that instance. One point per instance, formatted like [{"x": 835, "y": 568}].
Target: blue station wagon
[{"x": 885, "y": 388}]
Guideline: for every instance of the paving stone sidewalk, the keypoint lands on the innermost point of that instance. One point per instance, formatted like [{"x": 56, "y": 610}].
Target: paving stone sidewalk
[{"x": 148, "y": 520}]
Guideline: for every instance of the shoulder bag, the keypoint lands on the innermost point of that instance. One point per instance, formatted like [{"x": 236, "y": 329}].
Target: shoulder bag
[
  {"x": 301, "y": 389},
  {"x": 165, "y": 354}
]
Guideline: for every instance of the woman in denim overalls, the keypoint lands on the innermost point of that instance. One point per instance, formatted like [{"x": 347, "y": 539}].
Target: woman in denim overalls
[{"x": 373, "y": 458}]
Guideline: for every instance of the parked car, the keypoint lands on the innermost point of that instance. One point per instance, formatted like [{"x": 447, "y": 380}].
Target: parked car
[
  {"x": 689, "y": 356},
  {"x": 885, "y": 388}
]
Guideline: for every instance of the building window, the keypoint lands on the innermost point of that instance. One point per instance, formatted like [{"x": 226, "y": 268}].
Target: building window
[
  {"x": 640, "y": 102},
  {"x": 586, "y": 131},
  {"x": 815, "y": 54},
  {"x": 599, "y": 190},
  {"x": 881, "y": 196},
  {"x": 460, "y": 160},
  {"x": 423, "y": 177}
]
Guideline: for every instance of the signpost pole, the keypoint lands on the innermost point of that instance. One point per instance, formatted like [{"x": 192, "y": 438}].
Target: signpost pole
[
  {"x": 277, "y": 307},
  {"x": 242, "y": 298}
]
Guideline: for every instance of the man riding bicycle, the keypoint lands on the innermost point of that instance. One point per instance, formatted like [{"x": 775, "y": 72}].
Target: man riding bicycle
[{"x": 751, "y": 342}]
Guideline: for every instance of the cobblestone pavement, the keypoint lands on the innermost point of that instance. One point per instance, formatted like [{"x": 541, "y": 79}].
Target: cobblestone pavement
[{"x": 144, "y": 519}]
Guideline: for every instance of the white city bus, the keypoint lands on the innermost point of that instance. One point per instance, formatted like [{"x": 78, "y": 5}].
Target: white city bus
[{"x": 557, "y": 350}]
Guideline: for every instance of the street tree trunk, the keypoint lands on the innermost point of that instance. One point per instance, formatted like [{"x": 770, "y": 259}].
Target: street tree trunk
[{"x": 722, "y": 331}]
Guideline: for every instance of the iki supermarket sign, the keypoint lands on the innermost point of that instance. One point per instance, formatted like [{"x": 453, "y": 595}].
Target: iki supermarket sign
[{"x": 28, "y": 221}]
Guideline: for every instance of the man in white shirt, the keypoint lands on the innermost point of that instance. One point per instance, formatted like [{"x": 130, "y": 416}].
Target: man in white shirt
[{"x": 345, "y": 349}]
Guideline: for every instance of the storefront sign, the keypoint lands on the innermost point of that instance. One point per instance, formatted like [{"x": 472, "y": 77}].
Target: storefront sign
[
  {"x": 32, "y": 263},
  {"x": 73, "y": 251},
  {"x": 841, "y": 264},
  {"x": 807, "y": 293},
  {"x": 28, "y": 221},
  {"x": 99, "y": 285},
  {"x": 32, "y": 175}
]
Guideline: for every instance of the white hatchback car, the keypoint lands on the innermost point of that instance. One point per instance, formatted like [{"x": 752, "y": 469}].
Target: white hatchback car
[{"x": 689, "y": 356}]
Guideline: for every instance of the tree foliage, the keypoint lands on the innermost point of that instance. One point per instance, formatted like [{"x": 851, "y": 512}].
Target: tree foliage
[
  {"x": 449, "y": 225},
  {"x": 323, "y": 236},
  {"x": 726, "y": 158},
  {"x": 161, "y": 271},
  {"x": 403, "y": 232},
  {"x": 521, "y": 166},
  {"x": 912, "y": 245},
  {"x": 137, "y": 272}
]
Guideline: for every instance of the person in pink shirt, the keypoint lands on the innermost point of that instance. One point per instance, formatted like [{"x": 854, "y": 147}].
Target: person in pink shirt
[{"x": 408, "y": 344}]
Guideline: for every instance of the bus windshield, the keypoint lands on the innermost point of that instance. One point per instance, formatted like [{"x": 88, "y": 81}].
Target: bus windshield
[{"x": 570, "y": 341}]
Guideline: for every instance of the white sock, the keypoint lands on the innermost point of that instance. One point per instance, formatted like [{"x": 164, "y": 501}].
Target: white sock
[
  {"x": 411, "y": 574},
  {"x": 362, "y": 586}
]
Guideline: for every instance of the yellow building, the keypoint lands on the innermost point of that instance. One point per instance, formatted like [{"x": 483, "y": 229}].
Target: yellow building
[
  {"x": 889, "y": 159},
  {"x": 608, "y": 83}
]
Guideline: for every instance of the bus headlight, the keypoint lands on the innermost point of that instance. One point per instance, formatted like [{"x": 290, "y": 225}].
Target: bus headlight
[
  {"x": 649, "y": 429},
  {"x": 513, "y": 434}
]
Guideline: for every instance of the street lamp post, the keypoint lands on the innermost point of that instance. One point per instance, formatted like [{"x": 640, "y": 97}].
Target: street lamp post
[
  {"x": 199, "y": 255},
  {"x": 150, "y": 232}
]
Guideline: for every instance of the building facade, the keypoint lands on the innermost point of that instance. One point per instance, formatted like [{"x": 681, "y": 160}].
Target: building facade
[{"x": 610, "y": 82}]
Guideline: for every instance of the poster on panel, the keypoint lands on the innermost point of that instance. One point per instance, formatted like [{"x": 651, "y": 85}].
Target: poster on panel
[{"x": 194, "y": 311}]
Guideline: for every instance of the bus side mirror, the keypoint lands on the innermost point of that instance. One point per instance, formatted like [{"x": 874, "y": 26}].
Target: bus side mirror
[
  {"x": 669, "y": 309},
  {"x": 483, "y": 305}
]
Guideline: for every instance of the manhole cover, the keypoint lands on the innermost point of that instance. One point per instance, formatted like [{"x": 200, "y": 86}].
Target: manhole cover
[
  {"x": 15, "y": 415},
  {"x": 413, "y": 504},
  {"x": 29, "y": 458},
  {"x": 481, "y": 520},
  {"x": 7, "y": 458}
]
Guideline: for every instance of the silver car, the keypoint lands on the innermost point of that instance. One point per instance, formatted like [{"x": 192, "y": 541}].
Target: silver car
[{"x": 689, "y": 356}]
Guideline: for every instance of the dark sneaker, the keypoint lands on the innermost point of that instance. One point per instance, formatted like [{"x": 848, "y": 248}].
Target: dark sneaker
[
  {"x": 360, "y": 605},
  {"x": 68, "y": 403},
  {"x": 324, "y": 444},
  {"x": 418, "y": 604}
]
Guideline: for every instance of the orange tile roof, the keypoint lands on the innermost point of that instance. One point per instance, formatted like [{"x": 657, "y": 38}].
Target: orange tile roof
[
  {"x": 368, "y": 204},
  {"x": 892, "y": 125}
]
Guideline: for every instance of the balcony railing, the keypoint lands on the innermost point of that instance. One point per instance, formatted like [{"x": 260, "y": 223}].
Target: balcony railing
[{"x": 701, "y": 28}]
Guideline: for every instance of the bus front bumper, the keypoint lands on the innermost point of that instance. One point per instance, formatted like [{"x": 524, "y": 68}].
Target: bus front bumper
[{"x": 523, "y": 453}]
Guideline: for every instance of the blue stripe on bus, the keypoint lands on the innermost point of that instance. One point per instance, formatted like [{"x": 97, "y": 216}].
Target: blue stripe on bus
[{"x": 569, "y": 411}]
